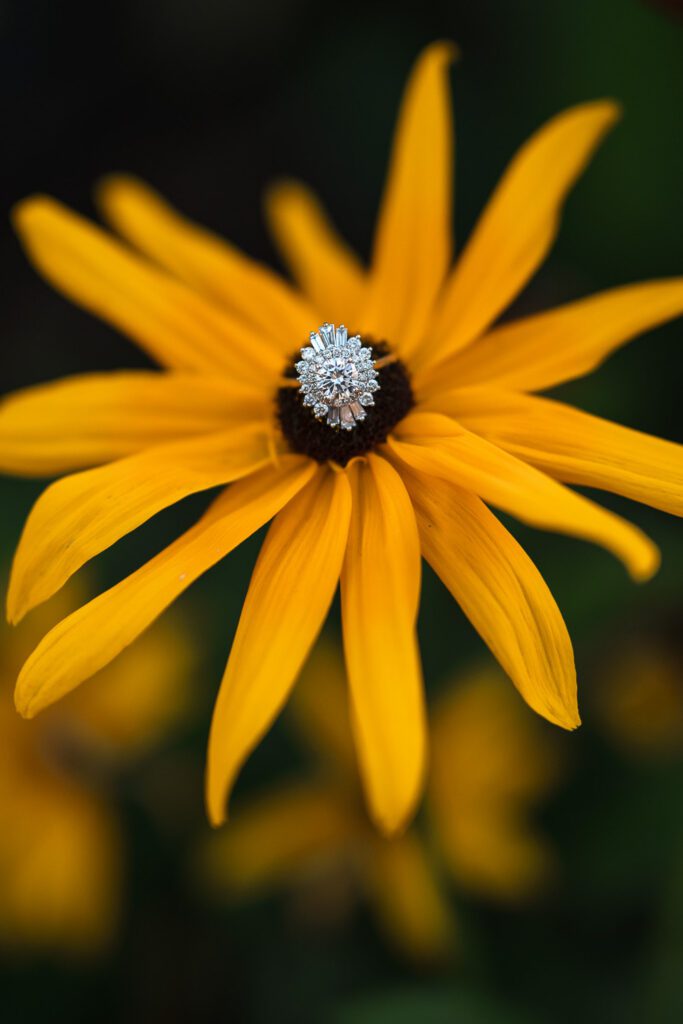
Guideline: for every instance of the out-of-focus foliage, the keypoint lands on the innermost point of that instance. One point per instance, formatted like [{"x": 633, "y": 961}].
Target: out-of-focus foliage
[
  {"x": 640, "y": 698},
  {"x": 490, "y": 764},
  {"x": 62, "y": 849}
]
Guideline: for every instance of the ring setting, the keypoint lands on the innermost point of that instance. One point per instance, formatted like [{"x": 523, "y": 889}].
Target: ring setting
[{"x": 337, "y": 376}]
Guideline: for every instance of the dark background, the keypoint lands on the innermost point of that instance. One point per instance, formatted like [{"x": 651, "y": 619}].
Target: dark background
[{"x": 209, "y": 102}]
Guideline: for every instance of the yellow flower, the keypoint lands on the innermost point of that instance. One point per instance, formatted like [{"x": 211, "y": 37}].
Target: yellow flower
[
  {"x": 61, "y": 849},
  {"x": 490, "y": 765},
  {"x": 453, "y": 429},
  {"x": 640, "y": 697}
]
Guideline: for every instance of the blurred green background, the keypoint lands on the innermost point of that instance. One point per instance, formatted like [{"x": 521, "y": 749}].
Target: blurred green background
[{"x": 210, "y": 101}]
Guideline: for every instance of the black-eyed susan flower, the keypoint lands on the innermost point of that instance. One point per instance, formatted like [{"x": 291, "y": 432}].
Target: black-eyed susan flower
[
  {"x": 61, "y": 844},
  {"x": 371, "y": 447},
  {"x": 491, "y": 765}
]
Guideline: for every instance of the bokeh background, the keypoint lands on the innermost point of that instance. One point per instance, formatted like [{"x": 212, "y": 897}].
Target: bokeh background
[{"x": 210, "y": 101}]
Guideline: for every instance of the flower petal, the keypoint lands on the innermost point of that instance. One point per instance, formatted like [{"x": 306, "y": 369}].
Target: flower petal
[
  {"x": 175, "y": 326},
  {"x": 325, "y": 267},
  {"x": 573, "y": 446},
  {"x": 279, "y": 838},
  {"x": 518, "y": 225},
  {"x": 91, "y": 637},
  {"x": 500, "y": 590},
  {"x": 61, "y": 851},
  {"x": 141, "y": 697},
  {"x": 250, "y": 290},
  {"x": 380, "y": 591},
  {"x": 412, "y": 249},
  {"x": 402, "y": 882},
  {"x": 97, "y": 417},
  {"x": 438, "y": 446},
  {"x": 289, "y": 595},
  {"x": 491, "y": 763},
  {"x": 540, "y": 351},
  {"x": 81, "y": 515}
]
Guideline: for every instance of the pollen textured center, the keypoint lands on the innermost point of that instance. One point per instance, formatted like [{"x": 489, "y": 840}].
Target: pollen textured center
[{"x": 349, "y": 396}]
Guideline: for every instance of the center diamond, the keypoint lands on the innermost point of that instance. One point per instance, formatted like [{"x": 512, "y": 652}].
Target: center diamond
[{"x": 337, "y": 376}]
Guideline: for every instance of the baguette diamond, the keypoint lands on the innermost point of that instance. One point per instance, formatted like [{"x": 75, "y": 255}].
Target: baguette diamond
[{"x": 337, "y": 376}]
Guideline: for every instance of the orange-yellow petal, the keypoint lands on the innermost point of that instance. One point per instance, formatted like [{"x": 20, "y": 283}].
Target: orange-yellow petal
[
  {"x": 82, "y": 421},
  {"x": 540, "y": 351},
  {"x": 248, "y": 289},
  {"x": 571, "y": 445},
  {"x": 173, "y": 324},
  {"x": 89, "y": 638},
  {"x": 380, "y": 590},
  {"x": 518, "y": 225},
  {"x": 289, "y": 595},
  {"x": 438, "y": 446},
  {"x": 501, "y": 592},
  {"x": 61, "y": 856},
  {"x": 491, "y": 763},
  {"x": 324, "y": 266},
  {"x": 81, "y": 515},
  {"x": 411, "y": 903},
  {"x": 279, "y": 838},
  {"x": 139, "y": 698},
  {"x": 412, "y": 249}
]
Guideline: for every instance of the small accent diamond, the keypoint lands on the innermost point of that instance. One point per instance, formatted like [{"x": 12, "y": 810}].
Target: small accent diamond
[{"x": 337, "y": 374}]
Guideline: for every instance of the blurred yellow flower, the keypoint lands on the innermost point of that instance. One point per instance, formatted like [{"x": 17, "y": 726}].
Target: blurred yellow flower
[
  {"x": 368, "y": 456},
  {"x": 640, "y": 697},
  {"x": 491, "y": 764},
  {"x": 61, "y": 851}
]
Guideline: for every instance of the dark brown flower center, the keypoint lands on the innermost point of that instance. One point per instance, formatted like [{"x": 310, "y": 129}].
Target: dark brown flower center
[{"x": 310, "y": 436}]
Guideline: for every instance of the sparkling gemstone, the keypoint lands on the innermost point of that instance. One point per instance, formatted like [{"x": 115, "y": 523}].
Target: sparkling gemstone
[
  {"x": 337, "y": 375},
  {"x": 327, "y": 333}
]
